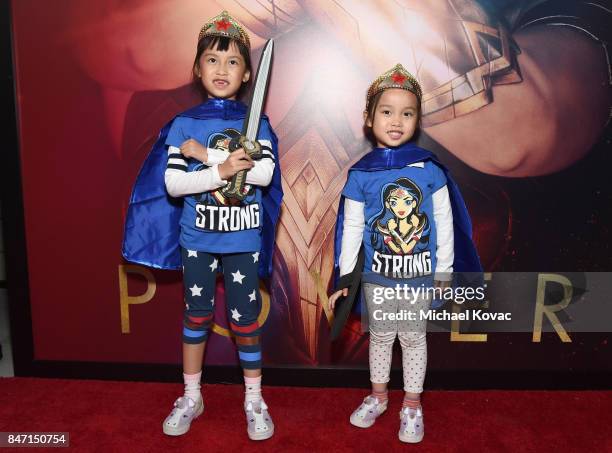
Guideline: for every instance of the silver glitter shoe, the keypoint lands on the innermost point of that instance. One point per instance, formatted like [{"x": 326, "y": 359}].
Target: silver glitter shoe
[
  {"x": 259, "y": 423},
  {"x": 412, "y": 428},
  {"x": 367, "y": 413},
  {"x": 185, "y": 410}
]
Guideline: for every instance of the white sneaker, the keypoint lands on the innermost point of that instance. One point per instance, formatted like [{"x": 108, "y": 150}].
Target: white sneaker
[
  {"x": 259, "y": 423},
  {"x": 412, "y": 428},
  {"x": 184, "y": 412},
  {"x": 367, "y": 413}
]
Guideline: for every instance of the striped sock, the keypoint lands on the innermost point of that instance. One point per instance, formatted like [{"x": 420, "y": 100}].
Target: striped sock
[
  {"x": 411, "y": 403},
  {"x": 382, "y": 396},
  {"x": 193, "y": 386},
  {"x": 252, "y": 390}
]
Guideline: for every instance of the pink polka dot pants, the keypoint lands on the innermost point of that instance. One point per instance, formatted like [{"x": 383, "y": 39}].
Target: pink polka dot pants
[{"x": 411, "y": 333}]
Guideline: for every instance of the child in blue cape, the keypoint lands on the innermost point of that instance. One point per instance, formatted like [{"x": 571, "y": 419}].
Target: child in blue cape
[
  {"x": 198, "y": 228},
  {"x": 401, "y": 216}
]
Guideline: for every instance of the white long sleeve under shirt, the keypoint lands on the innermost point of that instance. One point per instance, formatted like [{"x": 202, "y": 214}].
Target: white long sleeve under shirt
[{"x": 180, "y": 182}]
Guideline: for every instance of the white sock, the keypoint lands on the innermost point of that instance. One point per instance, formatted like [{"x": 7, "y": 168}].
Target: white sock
[
  {"x": 252, "y": 390},
  {"x": 192, "y": 386}
]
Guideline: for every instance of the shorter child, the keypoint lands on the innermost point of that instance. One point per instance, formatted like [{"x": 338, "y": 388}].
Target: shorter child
[{"x": 400, "y": 205}]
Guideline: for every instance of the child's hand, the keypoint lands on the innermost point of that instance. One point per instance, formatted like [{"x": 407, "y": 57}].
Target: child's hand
[
  {"x": 334, "y": 297},
  {"x": 237, "y": 161},
  {"x": 193, "y": 149}
]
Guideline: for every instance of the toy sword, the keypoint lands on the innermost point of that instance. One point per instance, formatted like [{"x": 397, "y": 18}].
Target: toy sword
[{"x": 248, "y": 137}]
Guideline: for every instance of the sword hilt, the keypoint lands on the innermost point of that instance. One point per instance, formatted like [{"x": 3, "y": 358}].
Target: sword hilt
[
  {"x": 235, "y": 188},
  {"x": 251, "y": 147}
]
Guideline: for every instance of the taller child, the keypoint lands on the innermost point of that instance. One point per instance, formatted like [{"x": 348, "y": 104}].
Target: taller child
[{"x": 214, "y": 229}]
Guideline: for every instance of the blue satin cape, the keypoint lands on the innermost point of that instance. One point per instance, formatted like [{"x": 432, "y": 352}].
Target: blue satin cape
[
  {"x": 151, "y": 234},
  {"x": 380, "y": 159},
  {"x": 467, "y": 269}
]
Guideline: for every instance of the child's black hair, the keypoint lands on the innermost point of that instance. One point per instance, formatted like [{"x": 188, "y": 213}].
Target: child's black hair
[
  {"x": 370, "y": 116},
  {"x": 221, "y": 43}
]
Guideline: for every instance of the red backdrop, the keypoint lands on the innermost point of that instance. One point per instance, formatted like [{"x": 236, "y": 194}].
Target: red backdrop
[{"x": 95, "y": 82}]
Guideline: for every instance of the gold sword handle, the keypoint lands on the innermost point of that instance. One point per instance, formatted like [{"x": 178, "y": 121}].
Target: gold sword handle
[
  {"x": 235, "y": 188},
  {"x": 252, "y": 147}
]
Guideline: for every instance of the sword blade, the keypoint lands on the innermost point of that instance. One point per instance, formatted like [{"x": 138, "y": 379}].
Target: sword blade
[{"x": 251, "y": 124}]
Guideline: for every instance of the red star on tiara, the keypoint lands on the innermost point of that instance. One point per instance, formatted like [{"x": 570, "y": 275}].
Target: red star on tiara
[
  {"x": 223, "y": 25},
  {"x": 398, "y": 78}
]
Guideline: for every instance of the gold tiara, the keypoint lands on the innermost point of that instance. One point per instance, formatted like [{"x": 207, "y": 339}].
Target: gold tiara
[
  {"x": 396, "y": 77},
  {"x": 225, "y": 25}
]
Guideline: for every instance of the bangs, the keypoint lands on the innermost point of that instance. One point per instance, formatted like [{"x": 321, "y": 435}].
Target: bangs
[{"x": 221, "y": 43}]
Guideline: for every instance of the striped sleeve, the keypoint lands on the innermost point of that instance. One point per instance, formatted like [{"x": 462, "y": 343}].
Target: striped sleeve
[
  {"x": 180, "y": 182},
  {"x": 176, "y": 161},
  {"x": 266, "y": 150}
]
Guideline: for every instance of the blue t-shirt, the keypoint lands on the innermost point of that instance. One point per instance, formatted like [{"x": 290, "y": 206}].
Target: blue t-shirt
[
  {"x": 212, "y": 222},
  {"x": 400, "y": 235}
]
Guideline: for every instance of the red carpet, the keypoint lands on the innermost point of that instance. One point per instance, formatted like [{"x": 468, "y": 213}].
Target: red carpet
[{"x": 104, "y": 416}]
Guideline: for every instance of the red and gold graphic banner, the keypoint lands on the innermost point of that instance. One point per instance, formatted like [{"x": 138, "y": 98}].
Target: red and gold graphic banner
[{"x": 96, "y": 80}]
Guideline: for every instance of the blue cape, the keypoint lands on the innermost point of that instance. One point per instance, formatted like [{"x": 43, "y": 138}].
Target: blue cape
[
  {"x": 466, "y": 258},
  {"x": 151, "y": 234}
]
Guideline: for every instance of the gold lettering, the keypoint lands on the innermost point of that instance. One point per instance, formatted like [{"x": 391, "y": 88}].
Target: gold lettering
[
  {"x": 125, "y": 299},
  {"x": 261, "y": 319},
  {"x": 329, "y": 313},
  {"x": 458, "y": 336},
  {"x": 455, "y": 323},
  {"x": 549, "y": 310}
]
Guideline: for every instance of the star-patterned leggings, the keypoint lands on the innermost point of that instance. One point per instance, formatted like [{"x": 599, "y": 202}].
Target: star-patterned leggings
[{"x": 242, "y": 298}]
